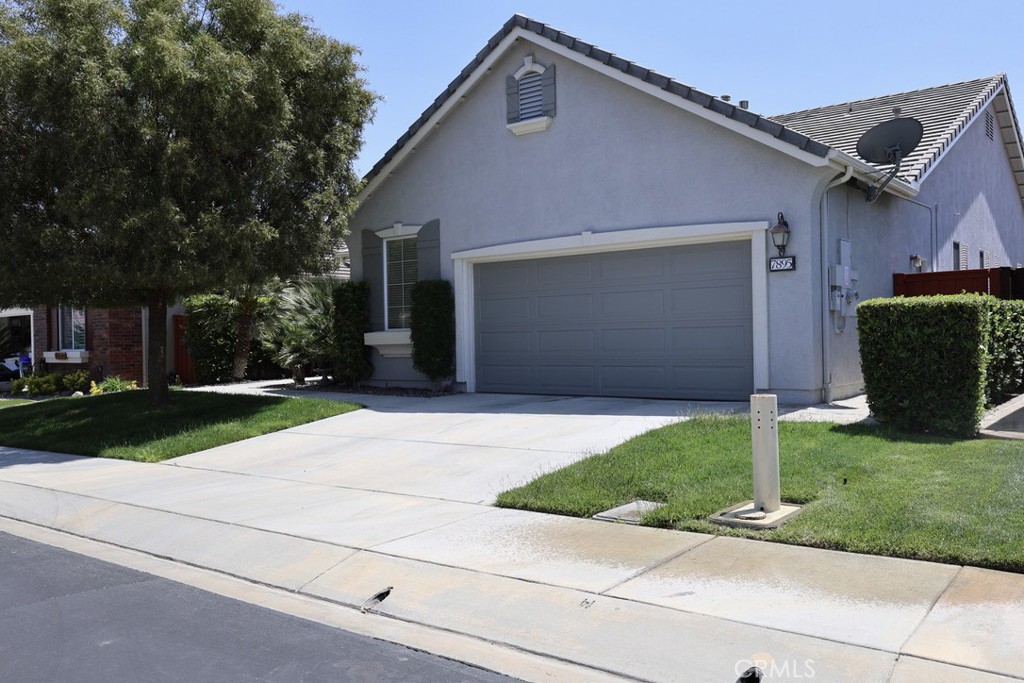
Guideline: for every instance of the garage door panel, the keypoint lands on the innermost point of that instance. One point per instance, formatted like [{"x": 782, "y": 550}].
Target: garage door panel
[
  {"x": 495, "y": 278},
  {"x": 509, "y": 376},
  {"x": 709, "y": 379},
  {"x": 506, "y": 342},
  {"x": 504, "y": 310},
  {"x": 718, "y": 301},
  {"x": 631, "y": 378},
  {"x": 565, "y": 306},
  {"x": 718, "y": 341},
  {"x": 645, "y": 303},
  {"x": 560, "y": 341},
  {"x": 573, "y": 270},
  {"x": 707, "y": 260},
  {"x": 671, "y": 322},
  {"x": 634, "y": 340},
  {"x": 566, "y": 378},
  {"x": 631, "y": 265}
]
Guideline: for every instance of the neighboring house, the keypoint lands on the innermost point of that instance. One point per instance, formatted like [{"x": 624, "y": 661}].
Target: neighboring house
[
  {"x": 104, "y": 341},
  {"x": 605, "y": 227}
]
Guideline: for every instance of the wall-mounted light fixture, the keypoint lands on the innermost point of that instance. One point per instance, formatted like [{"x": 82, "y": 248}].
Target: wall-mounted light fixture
[
  {"x": 916, "y": 262},
  {"x": 780, "y": 234}
]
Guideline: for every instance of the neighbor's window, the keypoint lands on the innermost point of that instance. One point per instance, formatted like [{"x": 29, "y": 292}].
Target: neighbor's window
[
  {"x": 400, "y": 272},
  {"x": 71, "y": 324}
]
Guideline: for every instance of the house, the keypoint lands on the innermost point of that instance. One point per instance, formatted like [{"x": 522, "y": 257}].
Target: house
[
  {"x": 104, "y": 341},
  {"x": 607, "y": 228}
]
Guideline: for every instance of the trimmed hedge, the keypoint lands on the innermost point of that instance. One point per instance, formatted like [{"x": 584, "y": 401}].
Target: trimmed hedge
[
  {"x": 432, "y": 328},
  {"x": 351, "y": 321},
  {"x": 933, "y": 363}
]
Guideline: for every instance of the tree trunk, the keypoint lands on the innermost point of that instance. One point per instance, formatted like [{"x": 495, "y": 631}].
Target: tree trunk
[
  {"x": 243, "y": 338},
  {"x": 156, "y": 376}
]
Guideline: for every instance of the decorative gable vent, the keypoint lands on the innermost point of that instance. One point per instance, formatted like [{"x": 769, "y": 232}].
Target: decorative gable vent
[
  {"x": 530, "y": 97},
  {"x": 990, "y": 126}
]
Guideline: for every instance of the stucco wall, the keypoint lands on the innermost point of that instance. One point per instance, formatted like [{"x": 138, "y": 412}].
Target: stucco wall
[
  {"x": 613, "y": 159},
  {"x": 975, "y": 201}
]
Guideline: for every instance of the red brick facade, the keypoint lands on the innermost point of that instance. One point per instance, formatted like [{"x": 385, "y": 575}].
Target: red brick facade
[{"x": 113, "y": 341}]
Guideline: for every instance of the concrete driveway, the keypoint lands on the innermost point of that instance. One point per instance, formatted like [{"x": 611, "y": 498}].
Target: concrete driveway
[{"x": 464, "y": 447}]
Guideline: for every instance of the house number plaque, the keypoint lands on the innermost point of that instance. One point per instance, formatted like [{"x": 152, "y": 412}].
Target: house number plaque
[{"x": 778, "y": 264}]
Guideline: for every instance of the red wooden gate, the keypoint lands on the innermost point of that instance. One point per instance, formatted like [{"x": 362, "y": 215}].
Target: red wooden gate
[{"x": 182, "y": 360}]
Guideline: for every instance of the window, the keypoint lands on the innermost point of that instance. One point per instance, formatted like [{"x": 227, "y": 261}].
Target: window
[
  {"x": 960, "y": 256},
  {"x": 982, "y": 259},
  {"x": 400, "y": 272},
  {"x": 71, "y": 326},
  {"x": 530, "y": 97}
]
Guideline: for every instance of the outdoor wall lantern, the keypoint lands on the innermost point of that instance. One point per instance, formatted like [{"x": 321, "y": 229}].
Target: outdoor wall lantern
[{"x": 780, "y": 234}]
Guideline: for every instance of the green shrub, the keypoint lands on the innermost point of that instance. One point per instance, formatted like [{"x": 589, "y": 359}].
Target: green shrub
[
  {"x": 75, "y": 381},
  {"x": 933, "y": 363},
  {"x": 211, "y": 336},
  {"x": 1005, "y": 375},
  {"x": 19, "y": 385},
  {"x": 351, "y": 320},
  {"x": 111, "y": 385},
  {"x": 44, "y": 383},
  {"x": 432, "y": 327},
  {"x": 304, "y": 324}
]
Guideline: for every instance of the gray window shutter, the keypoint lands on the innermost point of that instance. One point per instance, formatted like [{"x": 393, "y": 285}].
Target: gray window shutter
[
  {"x": 547, "y": 82},
  {"x": 511, "y": 99}
]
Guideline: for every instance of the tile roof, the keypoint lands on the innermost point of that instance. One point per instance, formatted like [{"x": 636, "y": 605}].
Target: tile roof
[{"x": 944, "y": 111}]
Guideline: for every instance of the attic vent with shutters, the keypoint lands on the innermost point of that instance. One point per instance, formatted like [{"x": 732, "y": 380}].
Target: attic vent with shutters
[
  {"x": 990, "y": 126},
  {"x": 530, "y": 97}
]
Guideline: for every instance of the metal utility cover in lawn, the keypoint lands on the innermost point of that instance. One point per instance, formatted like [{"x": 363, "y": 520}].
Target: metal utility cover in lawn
[{"x": 630, "y": 513}]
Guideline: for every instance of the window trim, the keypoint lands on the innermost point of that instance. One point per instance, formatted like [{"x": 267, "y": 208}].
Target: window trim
[
  {"x": 387, "y": 285},
  {"x": 60, "y": 329}
]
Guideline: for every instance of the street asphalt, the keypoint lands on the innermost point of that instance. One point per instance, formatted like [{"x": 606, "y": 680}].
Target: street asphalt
[{"x": 67, "y": 617}]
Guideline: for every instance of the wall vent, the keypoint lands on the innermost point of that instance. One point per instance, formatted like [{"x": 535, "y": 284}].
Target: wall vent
[{"x": 990, "y": 126}]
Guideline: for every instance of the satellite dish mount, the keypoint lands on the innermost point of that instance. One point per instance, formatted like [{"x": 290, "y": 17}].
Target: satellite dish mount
[{"x": 888, "y": 143}]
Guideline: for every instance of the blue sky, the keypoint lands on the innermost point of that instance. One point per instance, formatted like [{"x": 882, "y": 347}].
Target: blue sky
[{"x": 782, "y": 55}]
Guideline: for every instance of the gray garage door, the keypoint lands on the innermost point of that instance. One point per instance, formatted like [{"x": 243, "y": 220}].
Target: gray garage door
[{"x": 672, "y": 322}]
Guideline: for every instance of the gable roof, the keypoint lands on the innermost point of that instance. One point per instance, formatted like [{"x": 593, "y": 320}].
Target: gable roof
[
  {"x": 819, "y": 136},
  {"x": 945, "y": 111}
]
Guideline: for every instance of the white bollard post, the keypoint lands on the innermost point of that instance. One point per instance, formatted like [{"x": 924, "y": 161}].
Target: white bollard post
[{"x": 764, "y": 437}]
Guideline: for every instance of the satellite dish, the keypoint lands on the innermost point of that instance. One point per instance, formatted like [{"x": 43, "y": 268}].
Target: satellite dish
[{"x": 888, "y": 143}]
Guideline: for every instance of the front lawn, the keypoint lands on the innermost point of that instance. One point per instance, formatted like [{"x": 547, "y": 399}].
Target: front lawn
[
  {"x": 124, "y": 425},
  {"x": 867, "y": 489},
  {"x": 8, "y": 402}
]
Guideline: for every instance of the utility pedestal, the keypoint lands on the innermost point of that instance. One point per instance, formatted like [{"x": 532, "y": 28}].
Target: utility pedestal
[{"x": 766, "y": 510}]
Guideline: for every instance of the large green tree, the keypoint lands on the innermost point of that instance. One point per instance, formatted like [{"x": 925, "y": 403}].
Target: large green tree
[{"x": 151, "y": 149}]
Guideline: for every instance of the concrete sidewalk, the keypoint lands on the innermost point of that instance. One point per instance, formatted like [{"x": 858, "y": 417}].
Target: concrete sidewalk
[{"x": 318, "y": 518}]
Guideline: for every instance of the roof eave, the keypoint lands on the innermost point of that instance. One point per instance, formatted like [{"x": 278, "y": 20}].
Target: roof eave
[{"x": 867, "y": 173}]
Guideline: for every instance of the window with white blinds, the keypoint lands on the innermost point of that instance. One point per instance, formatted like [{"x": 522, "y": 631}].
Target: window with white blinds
[
  {"x": 400, "y": 272},
  {"x": 71, "y": 326}
]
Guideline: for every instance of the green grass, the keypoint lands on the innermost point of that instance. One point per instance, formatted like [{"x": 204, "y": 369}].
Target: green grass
[
  {"x": 124, "y": 425},
  {"x": 8, "y": 402},
  {"x": 867, "y": 489}
]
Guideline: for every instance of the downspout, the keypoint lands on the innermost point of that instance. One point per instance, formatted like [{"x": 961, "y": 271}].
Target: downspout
[{"x": 826, "y": 329}]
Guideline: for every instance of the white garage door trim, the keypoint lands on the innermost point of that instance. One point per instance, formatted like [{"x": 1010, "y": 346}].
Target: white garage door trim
[{"x": 615, "y": 240}]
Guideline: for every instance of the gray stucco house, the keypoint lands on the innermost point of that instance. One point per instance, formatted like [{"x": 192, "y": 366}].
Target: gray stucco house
[{"x": 606, "y": 228}]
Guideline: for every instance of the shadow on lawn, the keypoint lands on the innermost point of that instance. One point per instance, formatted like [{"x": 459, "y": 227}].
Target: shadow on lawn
[{"x": 893, "y": 434}]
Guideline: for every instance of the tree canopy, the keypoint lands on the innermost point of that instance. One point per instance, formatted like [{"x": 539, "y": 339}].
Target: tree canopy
[{"x": 151, "y": 149}]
